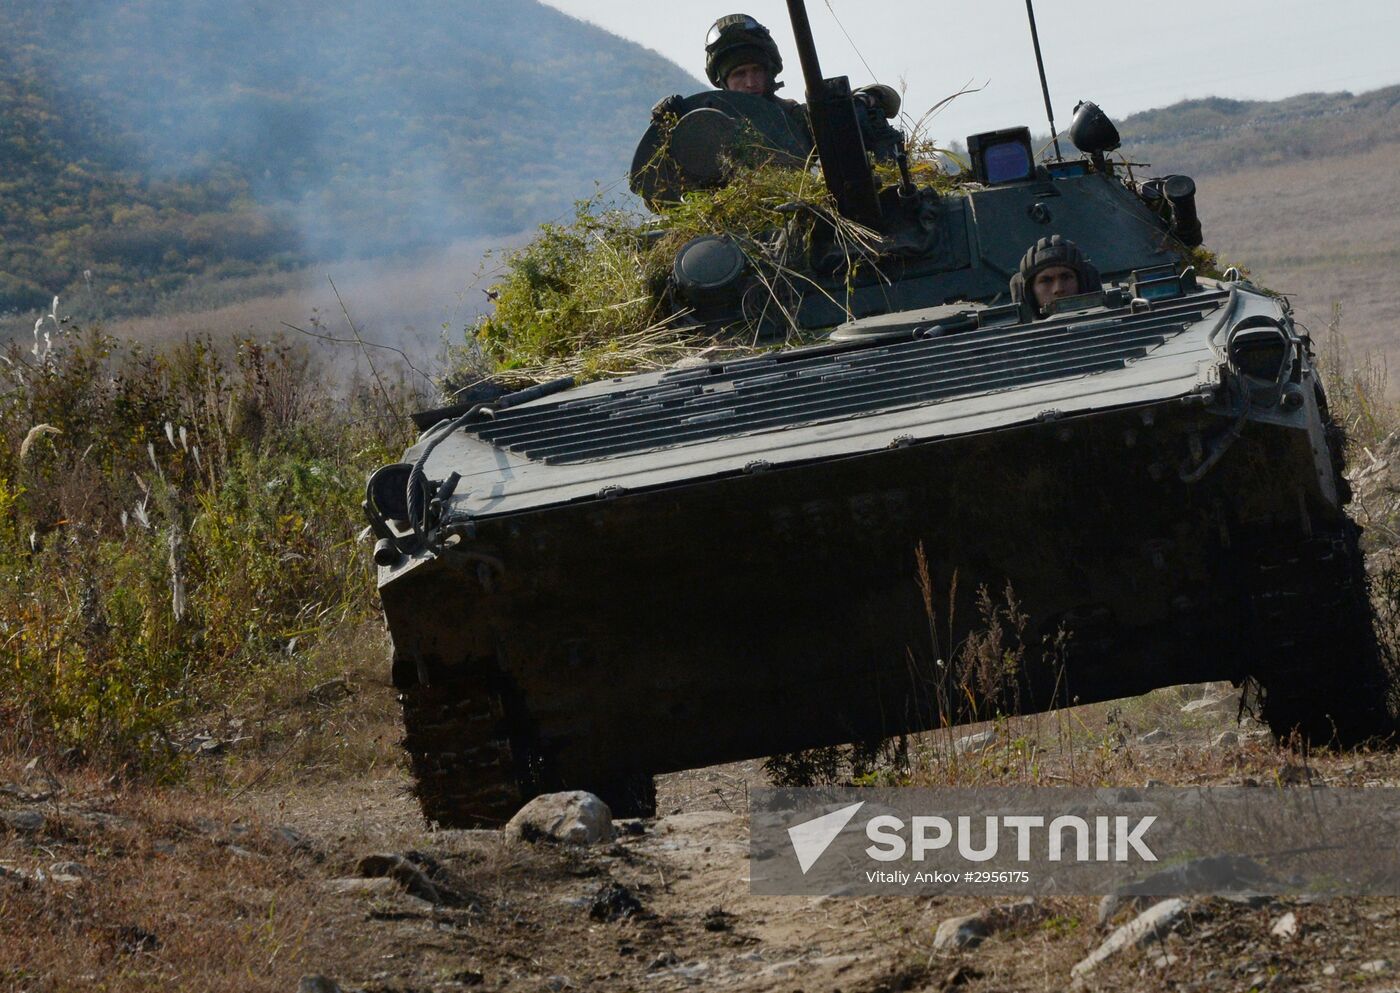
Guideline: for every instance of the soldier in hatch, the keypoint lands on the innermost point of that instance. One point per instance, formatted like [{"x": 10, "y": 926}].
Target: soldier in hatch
[
  {"x": 1053, "y": 268},
  {"x": 742, "y": 57}
]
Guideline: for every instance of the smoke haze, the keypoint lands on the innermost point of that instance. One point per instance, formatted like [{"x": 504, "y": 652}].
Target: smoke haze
[{"x": 377, "y": 128}]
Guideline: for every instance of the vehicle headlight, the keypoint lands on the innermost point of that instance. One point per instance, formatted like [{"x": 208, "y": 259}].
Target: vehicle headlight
[{"x": 1261, "y": 349}]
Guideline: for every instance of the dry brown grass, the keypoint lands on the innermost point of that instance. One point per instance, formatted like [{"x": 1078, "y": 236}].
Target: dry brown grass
[
  {"x": 166, "y": 896},
  {"x": 332, "y": 719},
  {"x": 201, "y": 887}
]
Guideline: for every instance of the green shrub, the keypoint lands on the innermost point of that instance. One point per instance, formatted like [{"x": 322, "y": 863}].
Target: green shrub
[{"x": 173, "y": 527}]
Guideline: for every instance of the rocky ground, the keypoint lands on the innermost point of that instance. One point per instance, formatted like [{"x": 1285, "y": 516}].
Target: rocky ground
[{"x": 273, "y": 871}]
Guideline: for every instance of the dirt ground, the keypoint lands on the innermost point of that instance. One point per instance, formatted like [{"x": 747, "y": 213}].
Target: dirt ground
[{"x": 246, "y": 880}]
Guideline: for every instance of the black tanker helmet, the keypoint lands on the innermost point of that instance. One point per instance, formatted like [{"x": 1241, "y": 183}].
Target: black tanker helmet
[
  {"x": 1048, "y": 253},
  {"x": 736, "y": 40}
]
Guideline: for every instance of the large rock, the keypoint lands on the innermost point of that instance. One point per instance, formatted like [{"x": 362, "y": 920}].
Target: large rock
[
  {"x": 960, "y": 932},
  {"x": 22, "y": 821},
  {"x": 970, "y": 930},
  {"x": 1147, "y": 927},
  {"x": 575, "y": 818}
]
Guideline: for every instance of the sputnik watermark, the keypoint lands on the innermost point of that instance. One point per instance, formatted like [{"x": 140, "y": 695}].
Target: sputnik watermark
[
  {"x": 1113, "y": 838},
  {"x": 1156, "y": 841},
  {"x": 811, "y": 838}
]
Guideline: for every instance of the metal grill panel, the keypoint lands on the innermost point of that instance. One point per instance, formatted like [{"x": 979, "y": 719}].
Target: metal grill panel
[{"x": 787, "y": 389}]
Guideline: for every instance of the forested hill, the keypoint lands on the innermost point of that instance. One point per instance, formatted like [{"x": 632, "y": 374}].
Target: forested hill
[
  {"x": 148, "y": 144},
  {"x": 146, "y": 141}
]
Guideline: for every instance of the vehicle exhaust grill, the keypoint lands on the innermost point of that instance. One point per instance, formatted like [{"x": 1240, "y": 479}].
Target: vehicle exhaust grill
[{"x": 787, "y": 389}]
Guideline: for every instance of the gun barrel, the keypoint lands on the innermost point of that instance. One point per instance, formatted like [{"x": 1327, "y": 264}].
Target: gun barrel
[
  {"x": 840, "y": 145},
  {"x": 806, "y": 48}
]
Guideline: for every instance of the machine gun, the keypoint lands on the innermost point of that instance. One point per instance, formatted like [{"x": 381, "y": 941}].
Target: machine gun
[{"x": 836, "y": 130}]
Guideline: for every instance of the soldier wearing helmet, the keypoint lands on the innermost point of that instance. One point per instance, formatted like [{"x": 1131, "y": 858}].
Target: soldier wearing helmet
[
  {"x": 1052, "y": 269},
  {"x": 742, "y": 57}
]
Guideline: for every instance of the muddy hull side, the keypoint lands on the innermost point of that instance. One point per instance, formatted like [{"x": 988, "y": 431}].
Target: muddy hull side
[{"x": 781, "y": 610}]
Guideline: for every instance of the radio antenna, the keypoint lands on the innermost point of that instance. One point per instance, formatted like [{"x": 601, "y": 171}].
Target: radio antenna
[{"x": 1044, "y": 84}]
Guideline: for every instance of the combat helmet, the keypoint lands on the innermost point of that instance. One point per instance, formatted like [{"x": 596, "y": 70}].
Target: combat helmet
[
  {"x": 738, "y": 39},
  {"x": 1050, "y": 252}
]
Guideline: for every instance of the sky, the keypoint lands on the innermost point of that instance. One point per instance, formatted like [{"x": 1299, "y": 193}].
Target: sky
[{"x": 1139, "y": 56}]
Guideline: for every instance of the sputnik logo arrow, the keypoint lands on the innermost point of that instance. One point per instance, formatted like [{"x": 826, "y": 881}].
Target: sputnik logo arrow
[{"x": 811, "y": 838}]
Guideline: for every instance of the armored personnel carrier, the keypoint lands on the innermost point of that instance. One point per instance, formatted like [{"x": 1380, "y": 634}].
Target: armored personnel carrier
[{"x": 589, "y": 585}]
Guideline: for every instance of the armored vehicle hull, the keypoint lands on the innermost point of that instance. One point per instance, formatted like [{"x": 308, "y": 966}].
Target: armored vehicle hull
[
  {"x": 673, "y": 570},
  {"x": 586, "y": 587}
]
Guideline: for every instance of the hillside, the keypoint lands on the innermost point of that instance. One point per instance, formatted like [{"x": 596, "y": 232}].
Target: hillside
[
  {"x": 74, "y": 220},
  {"x": 1303, "y": 191},
  {"x": 1215, "y": 135},
  {"x": 151, "y": 142},
  {"x": 265, "y": 139}
]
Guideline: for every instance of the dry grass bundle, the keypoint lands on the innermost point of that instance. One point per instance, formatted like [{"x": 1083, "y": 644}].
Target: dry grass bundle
[{"x": 589, "y": 298}]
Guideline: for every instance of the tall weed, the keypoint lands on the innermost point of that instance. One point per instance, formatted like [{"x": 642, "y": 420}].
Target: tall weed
[
  {"x": 173, "y": 526},
  {"x": 1357, "y": 388}
]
